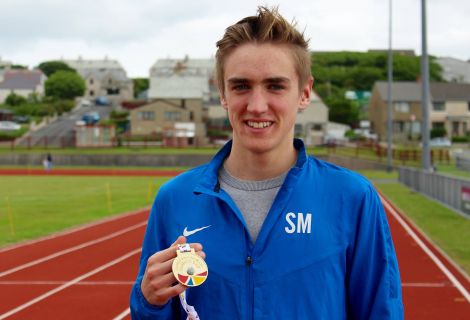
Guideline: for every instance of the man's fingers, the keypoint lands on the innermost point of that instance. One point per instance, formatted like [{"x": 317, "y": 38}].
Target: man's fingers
[
  {"x": 170, "y": 253},
  {"x": 180, "y": 240}
]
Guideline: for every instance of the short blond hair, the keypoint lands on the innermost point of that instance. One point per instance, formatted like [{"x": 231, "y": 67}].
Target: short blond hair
[{"x": 266, "y": 27}]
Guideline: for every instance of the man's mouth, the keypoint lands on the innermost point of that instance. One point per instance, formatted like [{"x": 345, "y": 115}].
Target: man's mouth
[{"x": 259, "y": 124}]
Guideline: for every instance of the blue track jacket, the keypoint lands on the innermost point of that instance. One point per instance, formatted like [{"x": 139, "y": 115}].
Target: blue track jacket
[{"x": 323, "y": 252}]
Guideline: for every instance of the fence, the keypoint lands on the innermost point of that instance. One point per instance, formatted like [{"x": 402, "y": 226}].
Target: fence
[
  {"x": 462, "y": 163},
  {"x": 454, "y": 192}
]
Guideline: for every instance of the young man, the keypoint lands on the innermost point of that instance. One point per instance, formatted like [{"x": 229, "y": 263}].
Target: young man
[{"x": 285, "y": 236}]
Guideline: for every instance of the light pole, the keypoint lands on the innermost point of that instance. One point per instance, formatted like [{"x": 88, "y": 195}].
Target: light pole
[
  {"x": 425, "y": 90},
  {"x": 389, "y": 90}
]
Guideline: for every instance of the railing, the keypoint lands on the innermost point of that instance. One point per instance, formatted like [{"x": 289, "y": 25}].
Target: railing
[{"x": 452, "y": 191}]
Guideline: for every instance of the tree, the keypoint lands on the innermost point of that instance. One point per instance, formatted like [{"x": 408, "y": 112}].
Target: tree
[
  {"x": 51, "y": 67},
  {"x": 14, "y": 99},
  {"x": 343, "y": 110},
  {"x": 140, "y": 85},
  {"x": 65, "y": 85}
]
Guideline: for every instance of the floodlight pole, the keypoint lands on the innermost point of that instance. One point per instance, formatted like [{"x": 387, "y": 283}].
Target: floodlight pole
[
  {"x": 389, "y": 91},
  {"x": 425, "y": 93}
]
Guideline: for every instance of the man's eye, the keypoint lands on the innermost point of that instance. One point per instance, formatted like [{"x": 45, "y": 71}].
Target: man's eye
[
  {"x": 240, "y": 87},
  {"x": 275, "y": 87}
]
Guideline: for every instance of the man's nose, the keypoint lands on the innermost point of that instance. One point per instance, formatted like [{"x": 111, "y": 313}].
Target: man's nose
[{"x": 257, "y": 102}]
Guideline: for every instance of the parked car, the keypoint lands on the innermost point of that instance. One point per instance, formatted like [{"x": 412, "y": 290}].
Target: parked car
[
  {"x": 102, "y": 101},
  {"x": 9, "y": 126},
  {"x": 85, "y": 103},
  {"x": 91, "y": 118}
]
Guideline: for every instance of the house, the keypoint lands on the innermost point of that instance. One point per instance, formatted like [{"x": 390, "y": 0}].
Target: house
[
  {"x": 310, "y": 124},
  {"x": 182, "y": 79},
  {"x": 104, "y": 78},
  {"x": 171, "y": 118},
  {"x": 22, "y": 82},
  {"x": 454, "y": 70},
  {"x": 180, "y": 94},
  {"x": 449, "y": 109}
]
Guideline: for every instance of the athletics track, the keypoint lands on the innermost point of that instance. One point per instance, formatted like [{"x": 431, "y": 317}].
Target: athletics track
[{"x": 87, "y": 272}]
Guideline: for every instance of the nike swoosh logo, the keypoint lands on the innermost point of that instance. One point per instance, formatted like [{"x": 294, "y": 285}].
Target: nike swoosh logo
[{"x": 187, "y": 233}]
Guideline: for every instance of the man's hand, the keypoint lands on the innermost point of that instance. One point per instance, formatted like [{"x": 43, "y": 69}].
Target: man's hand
[{"x": 159, "y": 284}]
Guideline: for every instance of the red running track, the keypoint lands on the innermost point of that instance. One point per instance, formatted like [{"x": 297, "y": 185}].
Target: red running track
[{"x": 87, "y": 273}]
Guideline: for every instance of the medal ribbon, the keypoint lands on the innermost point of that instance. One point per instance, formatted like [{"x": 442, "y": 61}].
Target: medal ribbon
[{"x": 190, "y": 311}]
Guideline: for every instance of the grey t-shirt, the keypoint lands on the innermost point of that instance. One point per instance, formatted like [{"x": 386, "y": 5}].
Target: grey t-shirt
[{"x": 253, "y": 198}]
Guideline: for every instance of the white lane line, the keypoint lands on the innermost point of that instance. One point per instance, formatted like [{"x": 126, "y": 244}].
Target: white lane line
[
  {"x": 81, "y": 283},
  {"x": 428, "y": 251},
  {"x": 123, "y": 314},
  {"x": 426, "y": 284},
  {"x": 72, "y": 249},
  {"x": 68, "y": 284},
  {"x": 75, "y": 229}
]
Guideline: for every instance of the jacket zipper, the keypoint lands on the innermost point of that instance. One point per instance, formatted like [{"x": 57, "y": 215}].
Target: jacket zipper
[{"x": 250, "y": 295}]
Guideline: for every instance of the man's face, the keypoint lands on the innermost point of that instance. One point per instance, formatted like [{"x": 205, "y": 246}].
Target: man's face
[{"x": 262, "y": 97}]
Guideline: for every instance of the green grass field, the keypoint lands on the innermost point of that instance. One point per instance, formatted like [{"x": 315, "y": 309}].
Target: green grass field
[{"x": 33, "y": 206}]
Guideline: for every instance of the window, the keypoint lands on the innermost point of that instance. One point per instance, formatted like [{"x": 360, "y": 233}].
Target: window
[
  {"x": 172, "y": 116},
  {"x": 469, "y": 106},
  {"x": 146, "y": 115},
  {"x": 91, "y": 81},
  {"x": 398, "y": 126},
  {"x": 92, "y": 93},
  {"x": 191, "y": 116},
  {"x": 317, "y": 127},
  {"x": 436, "y": 125},
  {"x": 455, "y": 128},
  {"x": 438, "y": 106},
  {"x": 403, "y": 107}
]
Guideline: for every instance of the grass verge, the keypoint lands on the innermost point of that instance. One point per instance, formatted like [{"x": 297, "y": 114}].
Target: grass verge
[{"x": 34, "y": 206}]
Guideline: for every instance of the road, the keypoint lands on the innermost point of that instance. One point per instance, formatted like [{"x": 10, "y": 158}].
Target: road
[{"x": 60, "y": 133}]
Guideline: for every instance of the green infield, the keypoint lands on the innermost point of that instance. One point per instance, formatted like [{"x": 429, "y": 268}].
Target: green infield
[{"x": 34, "y": 206}]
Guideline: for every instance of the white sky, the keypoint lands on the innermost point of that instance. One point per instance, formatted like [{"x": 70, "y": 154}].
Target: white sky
[{"x": 138, "y": 32}]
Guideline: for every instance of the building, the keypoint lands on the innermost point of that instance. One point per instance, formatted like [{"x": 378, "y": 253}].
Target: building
[
  {"x": 180, "y": 94},
  {"x": 22, "y": 82},
  {"x": 311, "y": 123},
  {"x": 171, "y": 118},
  {"x": 183, "y": 79},
  {"x": 104, "y": 78},
  {"x": 454, "y": 70},
  {"x": 450, "y": 109}
]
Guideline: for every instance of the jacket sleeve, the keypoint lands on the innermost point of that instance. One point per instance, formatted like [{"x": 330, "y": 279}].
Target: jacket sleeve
[
  {"x": 373, "y": 279},
  {"x": 154, "y": 241}
]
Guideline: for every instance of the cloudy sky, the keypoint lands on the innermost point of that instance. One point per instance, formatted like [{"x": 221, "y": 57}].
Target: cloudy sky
[{"x": 138, "y": 32}]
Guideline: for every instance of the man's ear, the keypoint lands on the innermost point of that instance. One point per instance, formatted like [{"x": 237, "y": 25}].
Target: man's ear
[
  {"x": 223, "y": 101},
  {"x": 306, "y": 94}
]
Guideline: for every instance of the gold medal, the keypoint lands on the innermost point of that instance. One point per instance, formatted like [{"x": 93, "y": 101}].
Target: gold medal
[{"x": 189, "y": 268}]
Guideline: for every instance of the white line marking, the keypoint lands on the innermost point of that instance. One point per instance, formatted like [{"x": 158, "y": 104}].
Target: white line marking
[
  {"x": 123, "y": 314},
  {"x": 69, "y": 250},
  {"x": 426, "y": 285},
  {"x": 68, "y": 284},
  {"x": 81, "y": 283},
  {"x": 431, "y": 255},
  {"x": 75, "y": 229}
]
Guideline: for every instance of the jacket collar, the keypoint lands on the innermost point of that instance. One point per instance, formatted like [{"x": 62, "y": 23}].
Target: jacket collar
[{"x": 209, "y": 181}]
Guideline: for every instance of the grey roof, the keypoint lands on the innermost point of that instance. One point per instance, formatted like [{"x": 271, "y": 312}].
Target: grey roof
[
  {"x": 99, "y": 69},
  {"x": 179, "y": 87},
  {"x": 93, "y": 64},
  {"x": 411, "y": 91},
  {"x": 22, "y": 79},
  {"x": 454, "y": 70},
  {"x": 184, "y": 66}
]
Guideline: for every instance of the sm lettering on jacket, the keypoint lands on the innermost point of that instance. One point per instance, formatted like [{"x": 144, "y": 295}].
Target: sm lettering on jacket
[{"x": 298, "y": 223}]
